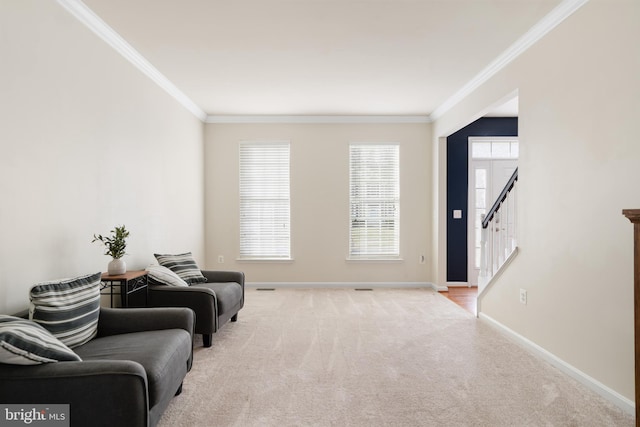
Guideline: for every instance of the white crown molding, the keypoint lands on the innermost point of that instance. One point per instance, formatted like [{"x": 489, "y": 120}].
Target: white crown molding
[
  {"x": 315, "y": 119},
  {"x": 535, "y": 33},
  {"x": 85, "y": 15}
]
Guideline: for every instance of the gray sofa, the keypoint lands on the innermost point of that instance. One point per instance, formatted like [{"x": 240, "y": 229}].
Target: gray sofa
[
  {"x": 128, "y": 374},
  {"x": 215, "y": 302}
]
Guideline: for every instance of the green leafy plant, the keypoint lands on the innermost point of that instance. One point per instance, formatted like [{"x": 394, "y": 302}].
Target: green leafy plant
[{"x": 115, "y": 244}]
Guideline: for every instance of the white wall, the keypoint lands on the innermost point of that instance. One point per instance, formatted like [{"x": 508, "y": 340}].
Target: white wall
[
  {"x": 579, "y": 97},
  {"x": 87, "y": 143},
  {"x": 320, "y": 201}
]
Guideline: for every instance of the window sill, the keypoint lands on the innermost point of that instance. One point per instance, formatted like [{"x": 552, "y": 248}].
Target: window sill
[
  {"x": 266, "y": 260},
  {"x": 375, "y": 260}
]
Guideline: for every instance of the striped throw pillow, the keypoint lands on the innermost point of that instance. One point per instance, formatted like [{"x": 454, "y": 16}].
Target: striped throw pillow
[
  {"x": 23, "y": 342},
  {"x": 159, "y": 275},
  {"x": 68, "y": 309},
  {"x": 183, "y": 265}
]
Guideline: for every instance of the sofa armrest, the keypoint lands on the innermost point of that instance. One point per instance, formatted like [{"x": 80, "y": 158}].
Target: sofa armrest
[
  {"x": 114, "y": 321},
  {"x": 201, "y": 300},
  {"x": 224, "y": 276},
  {"x": 99, "y": 393}
]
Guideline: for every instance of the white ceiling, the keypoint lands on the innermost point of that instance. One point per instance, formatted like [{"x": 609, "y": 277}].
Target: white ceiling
[{"x": 321, "y": 57}]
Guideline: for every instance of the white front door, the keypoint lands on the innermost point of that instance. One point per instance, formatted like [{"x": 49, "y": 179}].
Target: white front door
[{"x": 487, "y": 178}]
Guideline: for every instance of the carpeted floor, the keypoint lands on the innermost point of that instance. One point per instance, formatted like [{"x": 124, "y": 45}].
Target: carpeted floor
[{"x": 387, "y": 357}]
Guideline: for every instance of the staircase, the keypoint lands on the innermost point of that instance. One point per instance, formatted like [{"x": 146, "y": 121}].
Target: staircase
[{"x": 498, "y": 241}]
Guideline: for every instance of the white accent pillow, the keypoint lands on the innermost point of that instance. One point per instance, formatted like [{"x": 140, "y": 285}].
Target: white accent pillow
[{"x": 160, "y": 275}]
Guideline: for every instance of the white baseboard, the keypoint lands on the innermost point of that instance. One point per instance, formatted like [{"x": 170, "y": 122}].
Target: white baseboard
[
  {"x": 445, "y": 288},
  {"x": 611, "y": 395},
  {"x": 458, "y": 285},
  {"x": 339, "y": 285}
]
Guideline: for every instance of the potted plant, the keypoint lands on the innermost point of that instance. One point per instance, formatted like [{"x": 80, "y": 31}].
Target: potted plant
[{"x": 115, "y": 245}]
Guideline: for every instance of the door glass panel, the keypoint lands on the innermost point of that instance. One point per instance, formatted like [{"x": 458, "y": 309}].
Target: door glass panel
[
  {"x": 481, "y": 149},
  {"x": 495, "y": 149},
  {"x": 501, "y": 150},
  {"x": 481, "y": 178},
  {"x": 478, "y": 235},
  {"x": 515, "y": 150},
  {"x": 481, "y": 194}
]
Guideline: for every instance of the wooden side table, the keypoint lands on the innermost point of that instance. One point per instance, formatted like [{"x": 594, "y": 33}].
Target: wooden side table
[
  {"x": 634, "y": 216},
  {"x": 128, "y": 283}
]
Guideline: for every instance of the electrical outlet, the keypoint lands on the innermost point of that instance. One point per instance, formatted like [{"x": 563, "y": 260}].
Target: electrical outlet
[
  {"x": 220, "y": 259},
  {"x": 523, "y": 296}
]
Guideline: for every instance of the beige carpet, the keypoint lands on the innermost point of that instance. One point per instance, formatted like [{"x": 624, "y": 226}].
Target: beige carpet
[{"x": 406, "y": 357}]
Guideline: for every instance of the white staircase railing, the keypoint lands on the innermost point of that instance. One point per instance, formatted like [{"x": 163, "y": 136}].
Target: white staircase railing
[{"x": 498, "y": 239}]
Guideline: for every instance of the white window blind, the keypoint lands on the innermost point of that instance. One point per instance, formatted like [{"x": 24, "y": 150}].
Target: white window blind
[
  {"x": 374, "y": 201},
  {"x": 264, "y": 200}
]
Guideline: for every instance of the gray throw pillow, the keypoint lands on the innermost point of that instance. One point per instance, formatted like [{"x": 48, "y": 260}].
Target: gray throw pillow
[
  {"x": 183, "y": 265},
  {"x": 23, "y": 342}
]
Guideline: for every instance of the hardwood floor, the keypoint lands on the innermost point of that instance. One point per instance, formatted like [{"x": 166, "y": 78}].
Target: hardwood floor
[{"x": 463, "y": 296}]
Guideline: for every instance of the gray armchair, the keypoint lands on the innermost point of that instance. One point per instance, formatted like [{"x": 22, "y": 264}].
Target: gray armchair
[
  {"x": 215, "y": 302},
  {"x": 128, "y": 374}
]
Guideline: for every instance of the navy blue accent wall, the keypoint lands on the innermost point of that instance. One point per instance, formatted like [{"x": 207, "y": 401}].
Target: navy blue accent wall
[{"x": 458, "y": 187}]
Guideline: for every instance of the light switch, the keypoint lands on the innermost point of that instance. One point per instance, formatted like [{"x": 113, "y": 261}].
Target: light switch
[{"x": 457, "y": 214}]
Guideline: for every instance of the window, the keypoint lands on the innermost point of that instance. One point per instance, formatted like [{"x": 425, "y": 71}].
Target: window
[
  {"x": 264, "y": 200},
  {"x": 374, "y": 201},
  {"x": 494, "y": 148}
]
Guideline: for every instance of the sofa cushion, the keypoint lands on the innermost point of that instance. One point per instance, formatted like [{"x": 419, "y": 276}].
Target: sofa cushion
[
  {"x": 23, "y": 342},
  {"x": 228, "y": 295},
  {"x": 159, "y": 275},
  {"x": 183, "y": 265},
  {"x": 68, "y": 308},
  {"x": 164, "y": 355}
]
